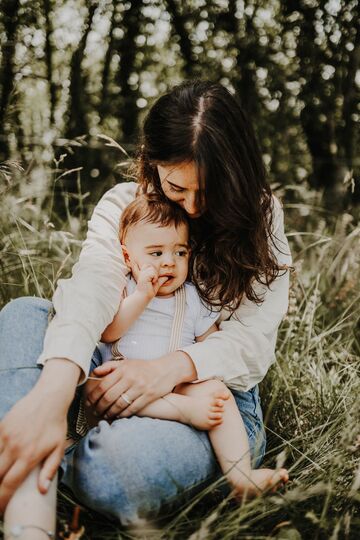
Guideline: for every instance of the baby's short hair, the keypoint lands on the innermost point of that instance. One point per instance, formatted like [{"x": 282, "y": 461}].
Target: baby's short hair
[{"x": 151, "y": 208}]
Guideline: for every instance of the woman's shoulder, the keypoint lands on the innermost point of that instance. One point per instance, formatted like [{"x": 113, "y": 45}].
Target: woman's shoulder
[
  {"x": 277, "y": 212},
  {"x": 122, "y": 194},
  {"x": 105, "y": 217},
  {"x": 276, "y": 204}
]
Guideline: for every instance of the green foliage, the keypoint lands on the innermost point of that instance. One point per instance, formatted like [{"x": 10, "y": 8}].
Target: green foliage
[
  {"x": 310, "y": 396},
  {"x": 78, "y": 68}
]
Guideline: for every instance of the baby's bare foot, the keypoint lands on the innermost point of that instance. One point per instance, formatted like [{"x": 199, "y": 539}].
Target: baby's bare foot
[
  {"x": 205, "y": 412},
  {"x": 257, "y": 482}
]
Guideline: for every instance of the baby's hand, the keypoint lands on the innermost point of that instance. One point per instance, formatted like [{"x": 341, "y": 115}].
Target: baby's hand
[{"x": 147, "y": 280}]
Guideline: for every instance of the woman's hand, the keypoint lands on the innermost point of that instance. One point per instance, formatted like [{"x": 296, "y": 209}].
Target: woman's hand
[
  {"x": 138, "y": 381},
  {"x": 34, "y": 430},
  {"x": 30, "y": 433},
  {"x": 134, "y": 378}
]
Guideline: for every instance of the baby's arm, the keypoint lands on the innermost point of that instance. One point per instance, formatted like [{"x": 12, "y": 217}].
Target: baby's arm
[
  {"x": 131, "y": 307},
  {"x": 213, "y": 328},
  {"x": 129, "y": 310}
]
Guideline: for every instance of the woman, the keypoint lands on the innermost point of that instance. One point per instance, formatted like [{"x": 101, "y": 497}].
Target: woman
[{"x": 199, "y": 150}]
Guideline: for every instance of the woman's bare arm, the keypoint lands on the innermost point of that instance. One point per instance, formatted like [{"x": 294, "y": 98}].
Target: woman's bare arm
[{"x": 33, "y": 432}]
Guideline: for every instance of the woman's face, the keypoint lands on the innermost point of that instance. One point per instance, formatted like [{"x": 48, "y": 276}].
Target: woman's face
[{"x": 180, "y": 183}]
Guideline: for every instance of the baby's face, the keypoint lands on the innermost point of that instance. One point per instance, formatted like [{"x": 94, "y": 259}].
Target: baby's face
[{"x": 165, "y": 248}]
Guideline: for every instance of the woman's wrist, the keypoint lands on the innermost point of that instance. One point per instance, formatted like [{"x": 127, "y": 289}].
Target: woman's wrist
[
  {"x": 58, "y": 381},
  {"x": 180, "y": 367}
]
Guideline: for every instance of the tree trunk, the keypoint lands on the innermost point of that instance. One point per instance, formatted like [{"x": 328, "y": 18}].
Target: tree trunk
[
  {"x": 127, "y": 50},
  {"x": 68, "y": 190},
  {"x": 47, "y": 5},
  {"x": 9, "y": 9},
  {"x": 77, "y": 120},
  {"x": 104, "y": 107},
  {"x": 247, "y": 57},
  {"x": 351, "y": 99},
  {"x": 317, "y": 116},
  {"x": 179, "y": 20}
]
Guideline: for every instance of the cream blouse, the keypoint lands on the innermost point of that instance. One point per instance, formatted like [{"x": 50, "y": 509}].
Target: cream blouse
[{"x": 240, "y": 354}]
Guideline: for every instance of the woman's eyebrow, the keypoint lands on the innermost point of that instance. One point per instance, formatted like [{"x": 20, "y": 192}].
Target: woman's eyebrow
[
  {"x": 179, "y": 187},
  {"x": 175, "y": 185}
]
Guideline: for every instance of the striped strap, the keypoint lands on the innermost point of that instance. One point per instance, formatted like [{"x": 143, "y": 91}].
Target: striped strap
[
  {"x": 176, "y": 329},
  {"x": 178, "y": 321}
]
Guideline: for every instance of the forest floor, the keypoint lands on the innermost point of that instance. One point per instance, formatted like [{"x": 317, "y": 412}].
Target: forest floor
[{"x": 310, "y": 396}]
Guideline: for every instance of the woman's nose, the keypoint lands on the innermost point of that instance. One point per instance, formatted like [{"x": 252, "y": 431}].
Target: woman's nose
[{"x": 191, "y": 205}]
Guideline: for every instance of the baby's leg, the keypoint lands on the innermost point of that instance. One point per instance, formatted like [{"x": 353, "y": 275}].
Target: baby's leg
[
  {"x": 203, "y": 413},
  {"x": 29, "y": 514},
  {"x": 200, "y": 411},
  {"x": 231, "y": 447}
]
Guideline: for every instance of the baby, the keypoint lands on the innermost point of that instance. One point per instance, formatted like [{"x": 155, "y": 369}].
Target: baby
[{"x": 154, "y": 235}]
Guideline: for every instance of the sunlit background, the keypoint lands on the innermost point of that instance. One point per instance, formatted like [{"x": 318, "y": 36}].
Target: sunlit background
[{"x": 73, "y": 70}]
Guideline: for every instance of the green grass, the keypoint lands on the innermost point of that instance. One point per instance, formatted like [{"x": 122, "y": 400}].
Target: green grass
[{"x": 310, "y": 396}]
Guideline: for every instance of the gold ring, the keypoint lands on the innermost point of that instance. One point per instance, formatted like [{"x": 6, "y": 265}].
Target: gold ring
[{"x": 126, "y": 398}]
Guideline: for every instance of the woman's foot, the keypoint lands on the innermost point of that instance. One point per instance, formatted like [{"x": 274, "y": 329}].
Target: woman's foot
[
  {"x": 203, "y": 412},
  {"x": 257, "y": 482}
]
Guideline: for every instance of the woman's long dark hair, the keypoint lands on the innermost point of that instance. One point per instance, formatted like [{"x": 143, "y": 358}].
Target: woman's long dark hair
[{"x": 201, "y": 121}]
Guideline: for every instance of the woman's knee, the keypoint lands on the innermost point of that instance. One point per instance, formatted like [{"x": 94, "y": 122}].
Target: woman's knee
[
  {"x": 22, "y": 326},
  {"x": 23, "y": 306},
  {"x": 23, "y": 323}
]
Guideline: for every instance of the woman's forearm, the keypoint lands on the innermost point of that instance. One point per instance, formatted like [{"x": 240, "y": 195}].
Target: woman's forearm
[
  {"x": 58, "y": 381},
  {"x": 178, "y": 367},
  {"x": 143, "y": 381},
  {"x": 37, "y": 421}
]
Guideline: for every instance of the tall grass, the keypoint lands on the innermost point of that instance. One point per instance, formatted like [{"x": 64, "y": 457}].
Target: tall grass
[{"x": 310, "y": 396}]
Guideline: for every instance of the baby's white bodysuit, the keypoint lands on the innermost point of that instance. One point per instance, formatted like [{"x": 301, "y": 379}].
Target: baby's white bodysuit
[{"x": 149, "y": 336}]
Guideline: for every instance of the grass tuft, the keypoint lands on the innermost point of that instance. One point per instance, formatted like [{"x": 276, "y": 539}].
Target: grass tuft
[{"x": 310, "y": 396}]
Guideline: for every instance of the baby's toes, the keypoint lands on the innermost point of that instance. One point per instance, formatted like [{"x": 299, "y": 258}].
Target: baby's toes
[
  {"x": 278, "y": 480},
  {"x": 215, "y": 415},
  {"x": 219, "y": 403},
  {"x": 214, "y": 422},
  {"x": 222, "y": 395},
  {"x": 217, "y": 409},
  {"x": 283, "y": 475}
]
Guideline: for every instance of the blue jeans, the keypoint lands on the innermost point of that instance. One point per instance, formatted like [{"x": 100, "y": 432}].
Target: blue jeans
[{"x": 130, "y": 469}]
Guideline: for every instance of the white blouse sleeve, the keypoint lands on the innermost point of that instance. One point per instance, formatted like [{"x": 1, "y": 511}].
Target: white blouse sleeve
[
  {"x": 205, "y": 320},
  {"x": 242, "y": 352},
  {"x": 87, "y": 302},
  {"x": 203, "y": 316}
]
